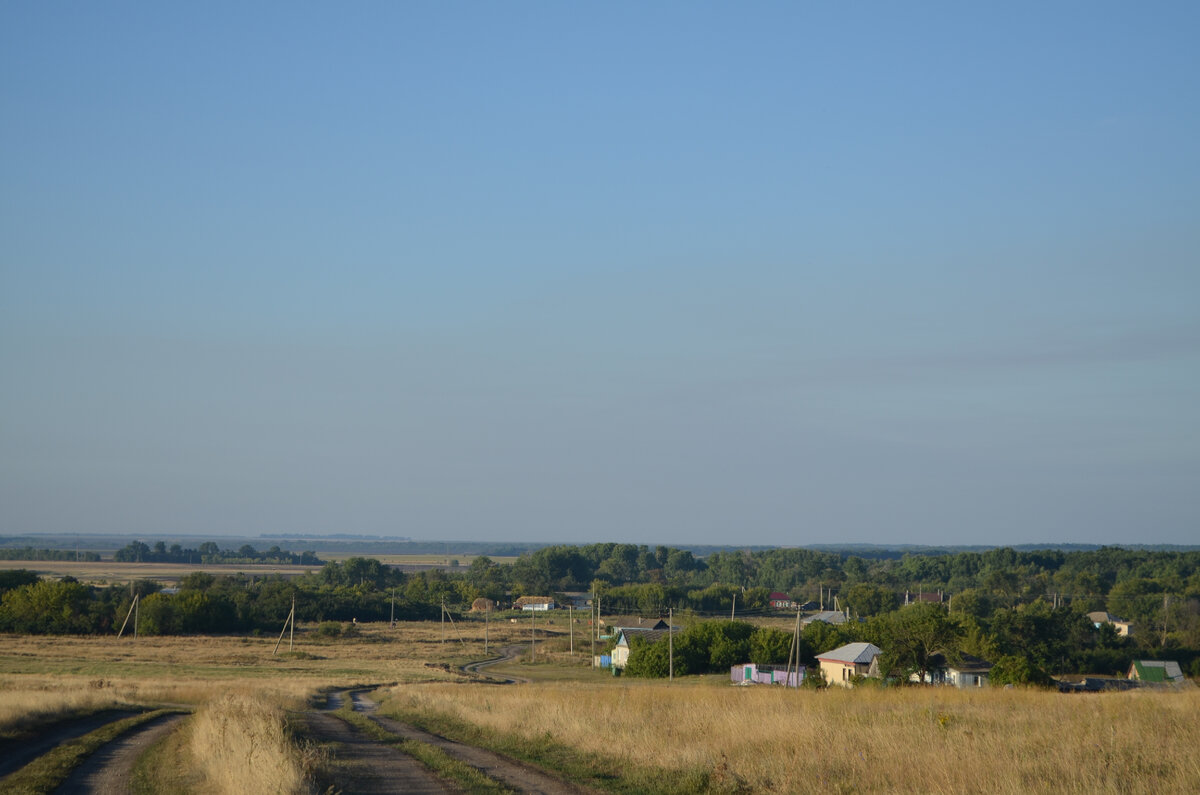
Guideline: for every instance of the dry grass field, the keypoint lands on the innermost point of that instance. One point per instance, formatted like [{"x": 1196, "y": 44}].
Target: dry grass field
[
  {"x": 763, "y": 739},
  {"x": 697, "y": 734}
]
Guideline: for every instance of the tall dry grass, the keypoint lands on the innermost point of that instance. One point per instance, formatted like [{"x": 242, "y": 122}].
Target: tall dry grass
[
  {"x": 240, "y": 744},
  {"x": 24, "y": 705},
  {"x": 903, "y": 740}
]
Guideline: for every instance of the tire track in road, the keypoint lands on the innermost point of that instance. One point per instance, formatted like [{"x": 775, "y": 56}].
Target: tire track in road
[
  {"x": 363, "y": 765},
  {"x": 517, "y": 775},
  {"x": 14, "y": 755},
  {"x": 109, "y": 771}
]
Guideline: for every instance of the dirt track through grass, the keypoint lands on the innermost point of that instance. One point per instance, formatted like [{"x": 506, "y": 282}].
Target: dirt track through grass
[
  {"x": 361, "y": 764},
  {"x": 508, "y": 772},
  {"x": 109, "y": 770},
  {"x": 15, "y": 754}
]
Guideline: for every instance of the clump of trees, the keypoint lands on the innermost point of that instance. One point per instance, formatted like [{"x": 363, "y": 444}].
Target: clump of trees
[{"x": 209, "y": 552}]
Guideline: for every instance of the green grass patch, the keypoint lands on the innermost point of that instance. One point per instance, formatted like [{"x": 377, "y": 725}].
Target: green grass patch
[
  {"x": 50, "y": 770},
  {"x": 437, "y": 760}
]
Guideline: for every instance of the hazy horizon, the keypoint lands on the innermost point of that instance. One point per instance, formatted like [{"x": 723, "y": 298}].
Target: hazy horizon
[{"x": 777, "y": 274}]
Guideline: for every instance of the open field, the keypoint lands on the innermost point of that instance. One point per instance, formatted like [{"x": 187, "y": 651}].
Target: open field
[
  {"x": 627, "y": 735},
  {"x": 703, "y": 734},
  {"x": 108, "y": 572}
]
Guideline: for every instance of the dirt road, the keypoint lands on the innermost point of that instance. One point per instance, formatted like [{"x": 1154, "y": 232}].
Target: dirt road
[
  {"x": 361, "y": 764},
  {"x": 109, "y": 771},
  {"x": 16, "y": 754},
  {"x": 507, "y": 654},
  {"x": 511, "y": 773}
]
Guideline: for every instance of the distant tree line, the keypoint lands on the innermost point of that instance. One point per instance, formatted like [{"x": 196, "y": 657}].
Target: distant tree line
[
  {"x": 209, "y": 552},
  {"x": 29, "y": 553}
]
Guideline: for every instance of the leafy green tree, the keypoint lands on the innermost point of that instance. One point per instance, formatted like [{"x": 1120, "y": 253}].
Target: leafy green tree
[
  {"x": 867, "y": 600},
  {"x": 770, "y": 646},
  {"x": 15, "y": 578},
  {"x": 651, "y": 660},
  {"x": 156, "y": 615},
  {"x": 909, "y": 638},
  {"x": 47, "y": 608},
  {"x": 821, "y": 637},
  {"x": 1014, "y": 669}
]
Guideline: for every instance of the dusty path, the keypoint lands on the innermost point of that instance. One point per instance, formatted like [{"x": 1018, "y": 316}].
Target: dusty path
[
  {"x": 363, "y": 765},
  {"x": 109, "y": 771},
  {"x": 16, "y": 754},
  {"x": 511, "y": 773},
  {"x": 507, "y": 654}
]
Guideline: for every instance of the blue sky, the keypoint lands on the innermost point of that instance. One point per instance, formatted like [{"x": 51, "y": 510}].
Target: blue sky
[{"x": 764, "y": 273}]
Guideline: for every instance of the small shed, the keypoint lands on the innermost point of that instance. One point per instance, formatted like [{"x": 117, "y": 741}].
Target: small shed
[
  {"x": 750, "y": 673},
  {"x": 1157, "y": 672}
]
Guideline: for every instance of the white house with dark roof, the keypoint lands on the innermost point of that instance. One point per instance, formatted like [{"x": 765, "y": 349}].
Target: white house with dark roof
[
  {"x": 620, "y": 652},
  {"x": 841, "y": 665},
  {"x": 964, "y": 671}
]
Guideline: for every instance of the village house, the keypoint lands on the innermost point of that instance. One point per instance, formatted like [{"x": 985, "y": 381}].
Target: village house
[
  {"x": 780, "y": 601},
  {"x": 828, "y": 616},
  {"x": 534, "y": 603},
  {"x": 611, "y": 624},
  {"x": 580, "y": 600},
  {"x": 964, "y": 672},
  {"x": 841, "y": 665},
  {"x": 749, "y": 673},
  {"x": 1157, "y": 672},
  {"x": 1100, "y": 617}
]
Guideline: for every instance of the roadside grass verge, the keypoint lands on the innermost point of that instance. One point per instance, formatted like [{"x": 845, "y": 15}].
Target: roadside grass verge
[
  {"x": 240, "y": 743},
  {"x": 437, "y": 760},
  {"x": 51, "y": 769},
  {"x": 27, "y": 709},
  {"x": 158, "y": 770},
  {"x": 594, "y": 770}
]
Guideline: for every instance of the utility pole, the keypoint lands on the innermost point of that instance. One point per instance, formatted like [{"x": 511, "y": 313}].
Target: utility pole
[
  {"x": 733, "y": 610},
  {"x": 486, "y": 613},
  {"x": 794, "y": 651},
  {"x": 393, "y": 622},
  {"x": 290, "y": 621},
  {"x": 132, "y": 608},
  {"x": 670, "y": 645},
  {"x": 571, "y": 626},
  {"x": 532, "y": 634},
  {"x": 1166, "y": 601},
  {"x": 443, "y": 621}
]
